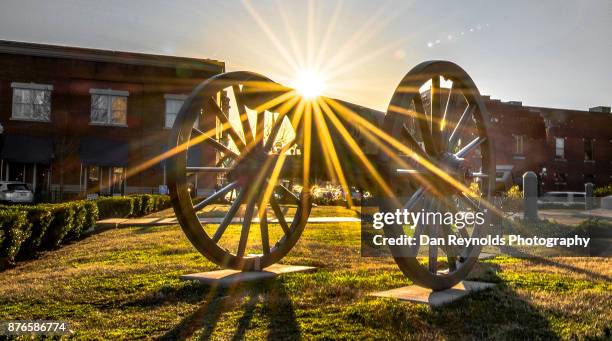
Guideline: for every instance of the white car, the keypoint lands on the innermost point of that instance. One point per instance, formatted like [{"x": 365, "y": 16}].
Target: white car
[
  {"x": 563, "y": 199},
  {"x": 15, "y": 192}
]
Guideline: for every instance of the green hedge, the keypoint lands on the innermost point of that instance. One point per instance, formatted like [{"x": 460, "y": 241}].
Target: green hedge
[
  {"x": 61, "y": 224},
  {"x": 27, "y": 229},
  {"x": 14, "y": 229},
  {"x": 603, "y": 191},
  {"x": 132, "y": 205},
  {"x": 39, "y": 218},
  {"x": 79, "y": 221},
  {"x": 115, "y": 207}
]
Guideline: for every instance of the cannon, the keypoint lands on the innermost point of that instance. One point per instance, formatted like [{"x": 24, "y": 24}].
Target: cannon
[{"x": 430, "y": 151}]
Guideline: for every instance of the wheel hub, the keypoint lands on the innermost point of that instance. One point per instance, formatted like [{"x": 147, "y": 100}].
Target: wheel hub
[
  {"x": 249, "y": 167},
  {"x": 453, "y": 166}
]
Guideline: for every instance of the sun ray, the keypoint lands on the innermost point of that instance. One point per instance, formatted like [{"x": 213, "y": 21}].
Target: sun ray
[
  {"x": 277, "y": 168},
  {"x": 295, "y": 46},
  {"x": 310, "y": 33},
  {"x": 362, "y": 36},
  {"x": 211, "y": 133},
  {"x": 331, "y": 26},
  {"x": 360, "y": 121},
  {"x": 270, "y": 34},
  {"x": 349, "y": 65},
  {"x": 330, "y": 153},
  {"x": 354, "y": 146}
]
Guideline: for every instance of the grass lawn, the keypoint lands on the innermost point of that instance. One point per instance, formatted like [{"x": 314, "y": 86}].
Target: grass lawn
[
  {"x": 219, "y": 210},
  {"x": 124, "y": 284}
]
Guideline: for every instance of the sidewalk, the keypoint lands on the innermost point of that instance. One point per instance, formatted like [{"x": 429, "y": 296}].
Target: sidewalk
[{"x": 157, "y": 221}]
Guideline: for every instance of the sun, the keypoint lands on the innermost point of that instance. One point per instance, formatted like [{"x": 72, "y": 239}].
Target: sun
[{"x": 309, "y": 84}]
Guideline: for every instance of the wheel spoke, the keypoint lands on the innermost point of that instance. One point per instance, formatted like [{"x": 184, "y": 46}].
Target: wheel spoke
[
  {"x": 276, "y": 126},
  {"x": 244, "y": 117},
  {"x": 412, "y": 143},
  {"x": 279, "y": 215},
  {"x": 291, "y": 195},
  {"x": 451, "y": 114},
  {"x": 416, "y": 196},
  {"x": 208, "y": 169},
  {"x": 217, "y": 145},
  {"x": 229, "y": 216},
  {"x": 225, "y": 121},
  {"x": 423, "y": 124},
  {"x": 433, "y": 250},
  {"x": 436, "y": 112},
  {"x": 265, "y": 239},
  {"x": 259, "y": 127},
  {"x": 451, "y": 250},
  {"x": 469, "y": 111},
  {"x": 246, "y": 226},
  {"x": 470, "y": 146},
  {"x": 466, "y": 199},
  {"x": 218, "y": 194},
  {"x": 408, "y": 171}
]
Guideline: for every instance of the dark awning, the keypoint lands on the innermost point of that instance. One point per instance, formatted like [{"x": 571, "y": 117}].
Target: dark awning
[
  {"x": 27, "y": 149},
  {"x": 103, "y": 152}
]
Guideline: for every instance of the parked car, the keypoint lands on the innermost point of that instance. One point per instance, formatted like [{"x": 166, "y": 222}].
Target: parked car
[
  {"x": 15, "y": 192},
  {"x": 562, "y": 199}
]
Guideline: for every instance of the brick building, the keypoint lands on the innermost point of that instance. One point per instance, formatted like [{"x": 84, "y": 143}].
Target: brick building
[
  {"x": 566, "y": 148},
  {"x": 75, "y": 119}
]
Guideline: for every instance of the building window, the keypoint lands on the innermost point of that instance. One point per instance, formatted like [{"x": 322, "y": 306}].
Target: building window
[
  {"x": 109, "y": 107},
  {"x": 31, "y": 102},
  {"x": 518, "y": 144},
  {"x": 117, "y": 180},
  {"x": 173, "y": 106},
  {"x": 559, "y": 148},
  {"x": 588, "y": 150}
]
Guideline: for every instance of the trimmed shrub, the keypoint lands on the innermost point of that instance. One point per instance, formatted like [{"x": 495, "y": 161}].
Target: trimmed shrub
[
  {"x": 15, "y": 229},
  {"x": 603, "y": 191},
  {"x": 137, "y": 205},
  {"x": 26, "y": 229},
  {"x": 61, "y": 224},
  {"x": 162, "y": 202},
  {"x": 115, "y": 207},
  {"x": 148, "y": 204},
  {"x": 39, "y": 217},
  {"x": 78, "y": 221},
  {"x": 92, "y": 214}
]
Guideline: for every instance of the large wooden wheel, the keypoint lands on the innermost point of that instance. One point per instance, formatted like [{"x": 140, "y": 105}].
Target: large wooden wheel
[
  {"x": 447, "y": 165},
  {"x": 239, "y": 158}
]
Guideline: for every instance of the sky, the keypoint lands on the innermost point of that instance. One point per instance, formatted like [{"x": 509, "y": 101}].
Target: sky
[{"x": 543, "y": 53}]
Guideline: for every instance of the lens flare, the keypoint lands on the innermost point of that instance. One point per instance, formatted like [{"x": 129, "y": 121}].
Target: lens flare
[{"x": 309, "y": 84}]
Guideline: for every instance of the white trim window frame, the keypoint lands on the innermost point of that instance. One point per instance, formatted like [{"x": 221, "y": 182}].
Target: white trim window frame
[
  {"x": 109, "y": 107},
  {"x": 559, "y": 148},
  {"x": 519, "y": 144},
  {"x": 173, "y": 104},
  {"x": 31, "y": 102}
]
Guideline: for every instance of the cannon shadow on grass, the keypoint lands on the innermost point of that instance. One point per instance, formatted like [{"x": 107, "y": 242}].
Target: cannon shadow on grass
[
  {"x": 269, "y": 298},
  {"x": 499, "y": 313}
]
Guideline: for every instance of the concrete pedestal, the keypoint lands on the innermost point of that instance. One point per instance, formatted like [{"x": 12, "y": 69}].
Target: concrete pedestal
[
  {"x": 228, "y": 277},
  {"x": 415, "y": 293}
]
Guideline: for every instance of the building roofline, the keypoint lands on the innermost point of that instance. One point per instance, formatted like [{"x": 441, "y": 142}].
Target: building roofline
[
  {"x": 109, "y": 56},
  {"x": 578, "y": 111}
]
